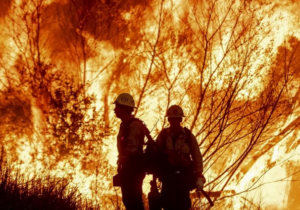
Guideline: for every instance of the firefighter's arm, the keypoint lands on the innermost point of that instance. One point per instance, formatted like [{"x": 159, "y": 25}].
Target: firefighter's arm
[
  {"x": 197, "y": 157},
  {"x": 135, "y": 139},
  {"x": 159, "y": 142}
]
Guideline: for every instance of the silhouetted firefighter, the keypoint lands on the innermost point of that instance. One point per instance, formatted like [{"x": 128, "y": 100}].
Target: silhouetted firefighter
[
  {"x": 130, "y": 142},
  {"x": 179, "y": 173}
]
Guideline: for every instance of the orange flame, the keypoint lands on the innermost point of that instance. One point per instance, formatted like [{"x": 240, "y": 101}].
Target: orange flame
[{"x": 233, "y": 66}]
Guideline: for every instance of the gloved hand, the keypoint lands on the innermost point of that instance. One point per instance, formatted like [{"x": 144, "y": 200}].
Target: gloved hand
[{"x": 200, "y": 183}]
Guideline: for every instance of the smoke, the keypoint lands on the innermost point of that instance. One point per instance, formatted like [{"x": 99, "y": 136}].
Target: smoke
[
  {"x": 15, "y": 120},
  {"x": 4, "y": 7},
  {"x": 78, "y": 22}
]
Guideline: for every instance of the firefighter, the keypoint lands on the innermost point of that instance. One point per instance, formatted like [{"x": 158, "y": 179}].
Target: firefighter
[
  {"x": 182, "y": 166},
  {"x": 130, "y": 142}
]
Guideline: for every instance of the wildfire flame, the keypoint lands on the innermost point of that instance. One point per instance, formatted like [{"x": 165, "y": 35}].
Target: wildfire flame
[{"x": 234, "y": 67}]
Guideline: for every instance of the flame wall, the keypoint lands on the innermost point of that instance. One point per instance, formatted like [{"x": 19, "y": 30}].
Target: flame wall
[{"x": 232, "y": 65}]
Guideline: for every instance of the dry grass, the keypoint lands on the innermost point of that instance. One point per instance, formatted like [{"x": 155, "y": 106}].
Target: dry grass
[{"x": 40, "y": 192}]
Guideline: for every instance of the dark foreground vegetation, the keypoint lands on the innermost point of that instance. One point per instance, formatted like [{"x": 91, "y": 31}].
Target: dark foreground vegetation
[{"x": 39, "y": 192}]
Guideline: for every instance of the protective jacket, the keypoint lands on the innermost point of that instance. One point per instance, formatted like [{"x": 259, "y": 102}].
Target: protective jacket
[
  {"x": 179, "y": 150},
  {"x": 180, "y": 168},
  {"x": 134, "y": 141}
]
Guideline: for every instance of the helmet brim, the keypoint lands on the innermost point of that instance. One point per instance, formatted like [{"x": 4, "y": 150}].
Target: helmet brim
[{"x": 123, "y": 104}]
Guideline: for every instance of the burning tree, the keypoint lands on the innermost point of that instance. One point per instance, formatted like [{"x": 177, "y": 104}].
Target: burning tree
[
  {"x": 210, "y": 58},
  {"x": 67, "y": 132},
  {"x": 63, "y": 62}
]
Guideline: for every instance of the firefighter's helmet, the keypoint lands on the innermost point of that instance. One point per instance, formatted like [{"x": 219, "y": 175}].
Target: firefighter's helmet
[
  {"x": 175, "y": 111},
  {"x": 125, "y": 99}
]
